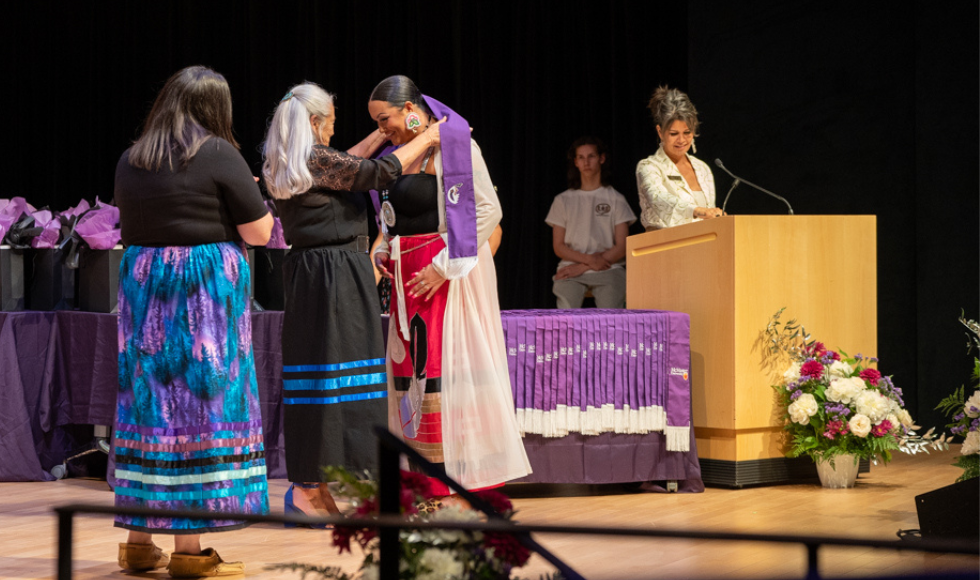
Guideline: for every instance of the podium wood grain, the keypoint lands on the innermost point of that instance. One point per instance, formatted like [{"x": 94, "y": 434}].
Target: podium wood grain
[{"x": 730, "y": 275}]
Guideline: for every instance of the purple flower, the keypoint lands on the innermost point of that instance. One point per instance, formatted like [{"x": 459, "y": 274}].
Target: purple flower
[
  {"x": 873, "y": 359},
  {"x": 795, "y": 395},
  {"x": 858, "y": 356},
  {"x": 958, "y": 416},
  {"x": 958, "y": 429},
  {"x": 836, "y": 410},
  {"x": 975, "y": 424}
]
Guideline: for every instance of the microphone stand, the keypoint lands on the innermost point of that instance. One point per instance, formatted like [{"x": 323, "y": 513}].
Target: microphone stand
[
  {"x": 749, "y": 183},
  {"x": 730, "y": 190}
]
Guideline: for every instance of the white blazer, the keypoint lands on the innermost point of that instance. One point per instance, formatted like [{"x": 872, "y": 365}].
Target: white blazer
[{"x": 666, "y": 199}]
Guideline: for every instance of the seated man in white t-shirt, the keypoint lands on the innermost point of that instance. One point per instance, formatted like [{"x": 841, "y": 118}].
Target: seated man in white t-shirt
[{"x": 590, "y": 221}]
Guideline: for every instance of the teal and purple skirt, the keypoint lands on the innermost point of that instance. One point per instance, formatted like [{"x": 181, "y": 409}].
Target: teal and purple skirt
[{"x": 188, "y": 432}]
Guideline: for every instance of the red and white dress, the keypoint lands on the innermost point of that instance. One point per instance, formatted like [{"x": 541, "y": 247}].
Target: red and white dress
[{"x": 449, "y": 388}]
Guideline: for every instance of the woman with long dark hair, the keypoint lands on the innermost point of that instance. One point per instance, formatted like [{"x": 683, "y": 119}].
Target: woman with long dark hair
[
  {"x": 188, "y": 433},
  {"x": 449, "y": 387}
]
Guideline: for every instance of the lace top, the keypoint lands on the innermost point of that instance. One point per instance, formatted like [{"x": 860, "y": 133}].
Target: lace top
[{"x": 334, "y": 211}]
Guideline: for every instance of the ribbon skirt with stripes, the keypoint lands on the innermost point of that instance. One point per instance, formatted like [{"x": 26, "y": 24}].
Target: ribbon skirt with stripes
[
  {"x": 334, "y": 381},
  {"x": 188, "y": 432}
]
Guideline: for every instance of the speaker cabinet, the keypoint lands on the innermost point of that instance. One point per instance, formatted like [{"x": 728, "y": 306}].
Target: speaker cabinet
[{"x": 951, "y": 512}]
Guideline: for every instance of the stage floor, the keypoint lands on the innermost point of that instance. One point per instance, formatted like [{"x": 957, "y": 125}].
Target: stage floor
[{"x": 880, "y": 505}]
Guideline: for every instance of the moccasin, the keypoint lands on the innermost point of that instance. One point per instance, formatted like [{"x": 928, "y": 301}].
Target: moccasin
[
  {"x": 206, "y": 564},
  {"x": 141, "y": 557}
]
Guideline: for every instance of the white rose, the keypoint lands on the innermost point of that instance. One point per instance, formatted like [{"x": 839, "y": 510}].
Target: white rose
[
  {"x": 839, "y": 368},
  {"x": 441, "y": 564},
  {"x": 972, "y": 407},
  {"x": 971, "y": 444},
  {"x": 792, "y": 373},
  {"x": 895, "y": 407},
  {"x": 896, "y": 424},
  {"x": 860, "y": 425},
  {"x": 872, "y": 404},
  {"x": 452, "y": 513},
  {"x": 802, "y": 409},
  {"x": 843, "y": 390}
]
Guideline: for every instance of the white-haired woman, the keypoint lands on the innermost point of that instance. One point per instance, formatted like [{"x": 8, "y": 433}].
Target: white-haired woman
[
  {"x": 675, "y": 187},
  {"x": 334, "y": 382}
]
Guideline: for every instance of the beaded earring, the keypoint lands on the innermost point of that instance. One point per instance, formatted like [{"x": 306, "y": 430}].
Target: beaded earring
[{"x": 413, "y": 122}]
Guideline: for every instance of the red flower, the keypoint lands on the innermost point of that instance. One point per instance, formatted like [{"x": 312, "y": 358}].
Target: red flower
[
  {"x": 506, "y": 548},
  {"x": 497, "y": 501},
  {"x": 811, "y": 369},
  {"x": 365, "y": 536},
  {"x": 870, "y": 375},
  {"x": 882, "y": 429},
  {"x": 816, "y": 349},
  {"x": 833, "y": 354},
  {"x": 408, "y": 502},
  {"x": 418, "y": 483},
  {"x": 835, "y": 428},
  {"x": 368, "y": 507},
  {"x": 341, "y": 538}
]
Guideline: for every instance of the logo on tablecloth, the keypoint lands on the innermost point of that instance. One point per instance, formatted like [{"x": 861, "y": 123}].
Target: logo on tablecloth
[{"x": 679, "y": 372}]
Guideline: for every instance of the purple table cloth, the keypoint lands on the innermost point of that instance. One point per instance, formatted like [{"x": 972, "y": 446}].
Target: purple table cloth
[
  {"x": 601, "y": 371},
  {"x": 58, "y": 369}
]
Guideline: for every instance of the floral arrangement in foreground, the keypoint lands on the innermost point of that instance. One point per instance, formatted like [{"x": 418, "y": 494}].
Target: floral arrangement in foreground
[
  {"x": 965, "y": 413},
  {"x": 425, "y": 554},
  {"x": 838, "y": 404}
]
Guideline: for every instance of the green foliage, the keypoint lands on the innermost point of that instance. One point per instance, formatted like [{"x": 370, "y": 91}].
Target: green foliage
[
  {"x": 783, "y": 339},
  {"x": 860, "y": 415},
  {"x": 953, "y": 403},
  {"x": 349, "y": 485},
  {"x": 957, "y": 407},
  {"x": 970, "y": 464}
]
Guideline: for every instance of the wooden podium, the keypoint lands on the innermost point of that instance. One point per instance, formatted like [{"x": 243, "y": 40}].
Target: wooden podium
[{"x": 730, "y": 275}]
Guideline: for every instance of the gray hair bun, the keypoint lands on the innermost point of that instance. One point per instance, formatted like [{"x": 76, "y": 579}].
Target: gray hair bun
[{"x": 669, "y": 105}]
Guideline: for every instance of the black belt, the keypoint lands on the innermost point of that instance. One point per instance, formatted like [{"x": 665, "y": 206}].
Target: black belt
[{"x": 360, "y": 244}]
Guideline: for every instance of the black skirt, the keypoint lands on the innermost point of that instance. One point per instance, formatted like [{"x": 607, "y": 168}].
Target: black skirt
[{"x": 334, "y": 382}]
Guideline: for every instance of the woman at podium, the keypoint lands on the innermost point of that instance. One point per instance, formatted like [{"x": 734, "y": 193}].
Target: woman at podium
[{"x": 675, "y": 187}]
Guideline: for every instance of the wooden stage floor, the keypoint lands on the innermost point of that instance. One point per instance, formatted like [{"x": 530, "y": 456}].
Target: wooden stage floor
[{"x": 880, "y": 505}]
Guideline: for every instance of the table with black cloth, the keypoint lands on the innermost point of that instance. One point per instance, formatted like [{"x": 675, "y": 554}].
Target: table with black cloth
[{"x": 59, "y": 369}]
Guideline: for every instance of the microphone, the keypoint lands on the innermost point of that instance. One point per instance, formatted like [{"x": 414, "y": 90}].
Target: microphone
[{"x": 740, "y": 180}]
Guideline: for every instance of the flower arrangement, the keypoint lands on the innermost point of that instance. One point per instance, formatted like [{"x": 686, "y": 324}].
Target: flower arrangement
[
  {"x": 427, "y": 554},
  {"x": 837, "y": 404},
  {"x": 965, "y": 413}
]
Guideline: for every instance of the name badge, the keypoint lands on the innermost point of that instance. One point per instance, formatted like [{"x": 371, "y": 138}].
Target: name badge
[{"x": 675, "y": 178}]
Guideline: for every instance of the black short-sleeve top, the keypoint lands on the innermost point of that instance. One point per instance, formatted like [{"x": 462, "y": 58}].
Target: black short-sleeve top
[
  {"x": 198, "y": 202},
  {"x": 334, "y": 210}
]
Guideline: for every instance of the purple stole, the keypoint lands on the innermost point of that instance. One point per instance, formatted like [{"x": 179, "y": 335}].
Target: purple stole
[{"x": 457, "y": 180}]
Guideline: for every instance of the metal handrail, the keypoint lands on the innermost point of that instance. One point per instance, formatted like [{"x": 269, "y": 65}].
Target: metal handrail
[{"x": 390, "y": 449}]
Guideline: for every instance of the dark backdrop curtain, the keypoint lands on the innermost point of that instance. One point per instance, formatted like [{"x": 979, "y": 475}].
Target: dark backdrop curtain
[
  {"x": 860, "y": 108},
  {"x": 849, "y": 108}
]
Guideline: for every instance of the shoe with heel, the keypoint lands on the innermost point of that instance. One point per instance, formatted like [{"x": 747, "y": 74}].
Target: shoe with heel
[{"x": 290, "y": 506}]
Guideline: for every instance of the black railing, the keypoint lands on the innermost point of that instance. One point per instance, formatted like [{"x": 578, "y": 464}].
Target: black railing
[{"x": 390, "y": 449}]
